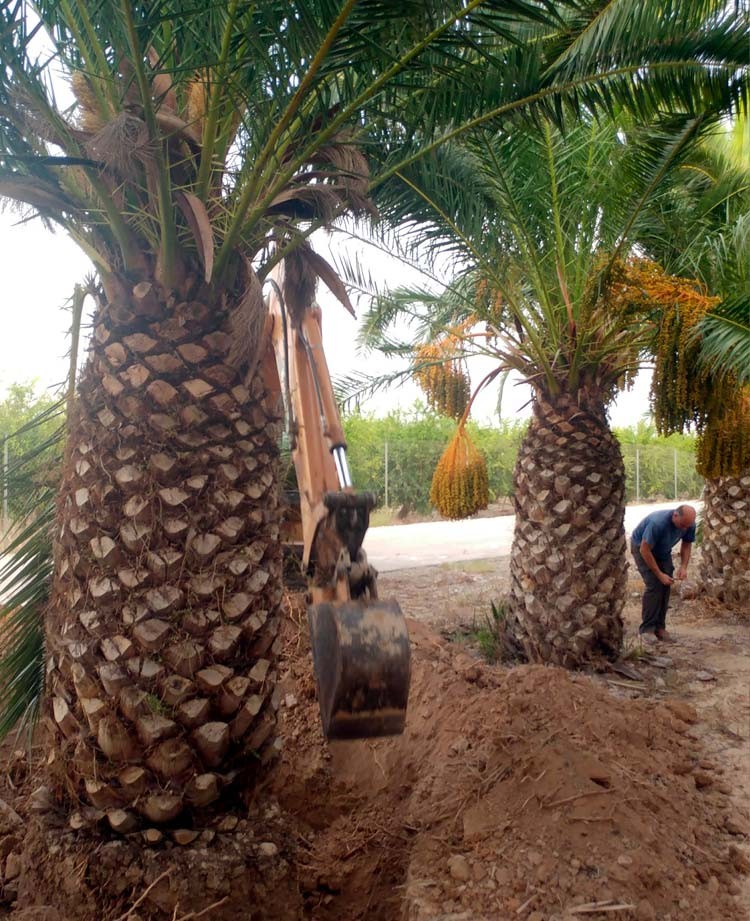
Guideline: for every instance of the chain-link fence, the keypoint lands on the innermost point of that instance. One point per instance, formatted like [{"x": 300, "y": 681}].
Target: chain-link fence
[
  {"x": 660, "y": 472},
  {"x": 400, "y": 472}
]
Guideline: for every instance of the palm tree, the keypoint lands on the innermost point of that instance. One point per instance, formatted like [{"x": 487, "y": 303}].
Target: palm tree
[
  {"x": 702, "y": 379},
  {"x": 188, "y": 148},
  {"x": 702, "y": 376},
  {"x": 552, "y": 288}
]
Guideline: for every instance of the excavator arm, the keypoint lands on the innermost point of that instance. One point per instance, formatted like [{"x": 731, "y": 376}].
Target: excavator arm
[{"x": 360, "y": 644}]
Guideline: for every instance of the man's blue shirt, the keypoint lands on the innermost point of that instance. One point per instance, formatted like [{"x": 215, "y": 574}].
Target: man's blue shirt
[{"x": 660, "y": 534}]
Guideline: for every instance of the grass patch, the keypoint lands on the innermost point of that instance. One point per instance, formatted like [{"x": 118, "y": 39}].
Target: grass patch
[
  {"x": 157, "y": 706},
  {"x": 490, "y": 635},
  {"x": 634, "y": 651},
  {"x": 381, "y": 517},
  {"x": 476, "y": 566}
]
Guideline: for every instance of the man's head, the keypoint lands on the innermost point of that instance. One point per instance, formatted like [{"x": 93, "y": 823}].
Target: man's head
[{"x": 683, "y": 516}]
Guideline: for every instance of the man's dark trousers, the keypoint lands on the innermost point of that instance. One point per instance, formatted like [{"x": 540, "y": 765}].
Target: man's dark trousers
[{"x": 656, "y": 596}]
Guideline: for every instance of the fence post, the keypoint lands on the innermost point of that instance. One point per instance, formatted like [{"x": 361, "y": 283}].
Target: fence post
[
  {"x": 5, "y": 482},
  {"x": 386, "y": 476},
  {"x": 637, "y": 473},
  {"x": 675, "y": 473}
]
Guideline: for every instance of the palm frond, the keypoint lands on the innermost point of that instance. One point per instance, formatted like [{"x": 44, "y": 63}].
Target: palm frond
[
  {"x": 725, "y": 340},
  {"x": 350, "y": 389},
  {"x": 262, "y": 111},
  {"x": 26, "y": 573}
]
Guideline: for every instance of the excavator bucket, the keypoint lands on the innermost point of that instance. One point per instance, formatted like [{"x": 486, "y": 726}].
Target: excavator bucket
[{"x": 362, "y": 665}]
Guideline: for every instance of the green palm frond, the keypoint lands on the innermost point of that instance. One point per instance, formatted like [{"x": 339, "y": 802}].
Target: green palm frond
[
  {"x": 262, "y": 111},
  {"x": 26, "y": 562},
  {"x": 725, "y": 333},
  {"x": 725, "y": 339},
  {"x": 351, "y": 388},
  {"x": 701, "y": 228},
  {"x": 535, "y": 217},
  {"x": 26, "y": 573}
]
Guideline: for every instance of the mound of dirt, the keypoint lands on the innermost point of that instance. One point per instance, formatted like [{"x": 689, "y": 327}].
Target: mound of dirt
[{"x": 523, "y": 793}]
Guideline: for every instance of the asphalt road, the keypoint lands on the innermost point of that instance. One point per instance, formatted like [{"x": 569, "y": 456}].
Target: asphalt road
[{"x": 430, "y": 543}]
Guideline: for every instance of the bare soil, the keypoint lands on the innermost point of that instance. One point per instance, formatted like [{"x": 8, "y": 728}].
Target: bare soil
[{"x": 515, "y": 793}]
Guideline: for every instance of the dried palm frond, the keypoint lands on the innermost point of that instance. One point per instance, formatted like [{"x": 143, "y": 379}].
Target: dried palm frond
[
  {"x": 161, "y": 84},
  {"x": 350, "y": 170},
  {"x": 330, "y": 278},
  {"x": 196, "y": 104},
  {"x": 300, "y": 282},
  {"x": 123, "y": 145},
  {"x": 34, "y": 192},
  {"x": 320, "y": 203},
  {"x": 194, "y": 212},
  {"x": 247, "y": 322}
]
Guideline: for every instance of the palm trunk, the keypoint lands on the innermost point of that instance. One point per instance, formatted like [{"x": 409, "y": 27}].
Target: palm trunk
[
  {"x": 568, "y": 562},
  {"x": 725, "y": 559},
  {"x": 163, "y": 617}
]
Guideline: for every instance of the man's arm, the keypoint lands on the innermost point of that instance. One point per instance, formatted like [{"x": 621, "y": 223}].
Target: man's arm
[
  {"x": 648, "y": 559},
  {"x": 685, "y": 550}
]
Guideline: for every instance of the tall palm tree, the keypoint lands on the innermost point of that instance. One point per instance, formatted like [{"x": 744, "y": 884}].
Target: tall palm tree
[
  {"x": 702, "y": 377},
  {"x": 702, "y": 380},
  {"x": 544, "y": 223},
  {"x": 188, "y": 148}
]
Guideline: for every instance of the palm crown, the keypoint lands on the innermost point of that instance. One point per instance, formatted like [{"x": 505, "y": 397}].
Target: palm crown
[
  {"x": 544, "y": 235},
  {"x": 196, "y": 128}
]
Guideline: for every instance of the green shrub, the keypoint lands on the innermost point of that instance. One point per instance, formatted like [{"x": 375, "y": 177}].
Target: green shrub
[{"x": 416, "y": 438}]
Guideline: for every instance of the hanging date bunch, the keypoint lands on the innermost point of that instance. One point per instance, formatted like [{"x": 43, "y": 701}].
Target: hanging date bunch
[
  {"x": 460, "y": 486},
  {"x": 441, "y": 374},
  {"x": 679, "y": 389},
  {"x": 723, "y": 447}
]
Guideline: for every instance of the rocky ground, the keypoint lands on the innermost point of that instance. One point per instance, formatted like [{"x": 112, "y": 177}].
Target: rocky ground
[{"x": 515, "y": 793}]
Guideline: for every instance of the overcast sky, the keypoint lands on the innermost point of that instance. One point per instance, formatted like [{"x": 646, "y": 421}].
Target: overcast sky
[{"x": 40, "y": 268}]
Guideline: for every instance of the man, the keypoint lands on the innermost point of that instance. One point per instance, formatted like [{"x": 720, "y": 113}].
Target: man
[{"x": 651, "y": 544}]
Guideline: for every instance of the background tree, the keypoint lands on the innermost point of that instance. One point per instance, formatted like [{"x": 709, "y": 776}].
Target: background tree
[
  {"x": 25, "y": 434},
  {"x": 702, "y": 377},
  {"x": 545, "y": 224},
  {"x": 702, "y": 380}
]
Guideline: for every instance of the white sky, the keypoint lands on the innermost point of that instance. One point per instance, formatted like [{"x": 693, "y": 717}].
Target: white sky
[{"x": 39, "y": 270}]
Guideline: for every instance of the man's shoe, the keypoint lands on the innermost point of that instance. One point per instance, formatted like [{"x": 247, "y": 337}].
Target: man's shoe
[
  {"x": 648, "y": 637},
  {"x": 663, "y": 636}
]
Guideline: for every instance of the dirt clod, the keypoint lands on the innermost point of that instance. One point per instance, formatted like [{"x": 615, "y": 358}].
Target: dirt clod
[
  {"x": 683, "y": 711},
  {"x": 459, "y": 868},
  {"x": 12, "y": 867},
  {"x": 736, "y": 825},
  {"x": 702, "y": 780}
]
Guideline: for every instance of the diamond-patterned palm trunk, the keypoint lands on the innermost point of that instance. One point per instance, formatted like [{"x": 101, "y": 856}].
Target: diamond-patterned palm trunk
[
  {"x": 725, "y": 559},
  {"x": 163, "y": 618},
  {"x": 568, "y": 561}
]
